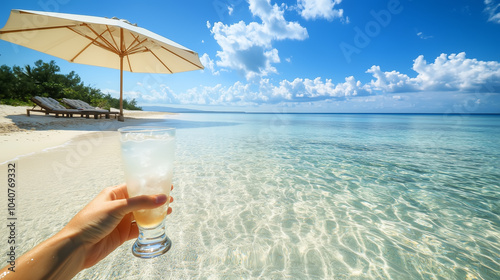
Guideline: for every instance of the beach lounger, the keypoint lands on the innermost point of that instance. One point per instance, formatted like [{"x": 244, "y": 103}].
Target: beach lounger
[
  {"x": 51, "y": 106},
  {"x": 85, "y": 107}
]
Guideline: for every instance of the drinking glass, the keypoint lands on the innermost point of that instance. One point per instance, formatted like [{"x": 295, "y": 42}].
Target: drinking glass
[{"x": 148, "y": 160}]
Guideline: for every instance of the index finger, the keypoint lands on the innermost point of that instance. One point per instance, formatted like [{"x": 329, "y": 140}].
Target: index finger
[{"x": 125, "y": 206}]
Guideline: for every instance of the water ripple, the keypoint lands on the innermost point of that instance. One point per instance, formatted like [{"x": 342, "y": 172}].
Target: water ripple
[
  {"x": 357, "y": 197},
  {"x": 320, "y": 209}
]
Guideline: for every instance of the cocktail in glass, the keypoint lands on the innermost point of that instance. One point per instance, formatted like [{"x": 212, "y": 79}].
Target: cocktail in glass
[{"x": 148, "y": 160}]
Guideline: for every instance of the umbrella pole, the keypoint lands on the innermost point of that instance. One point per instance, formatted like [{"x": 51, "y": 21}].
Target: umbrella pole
[{"x": 120, "y": 117}]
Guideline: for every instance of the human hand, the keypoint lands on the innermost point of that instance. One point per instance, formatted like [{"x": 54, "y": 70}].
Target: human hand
[
  {"x": 97, "y": 230},
  {"x": 107, "y": 221}
]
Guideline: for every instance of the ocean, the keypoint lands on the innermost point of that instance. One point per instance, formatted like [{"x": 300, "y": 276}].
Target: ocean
[
  {"x": 340, "y": 196},
  {"x": 297, "y": 196}
]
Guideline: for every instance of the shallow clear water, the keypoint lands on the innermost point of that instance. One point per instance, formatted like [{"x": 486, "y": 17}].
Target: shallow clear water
[
  {"x": 342, "y": 196},
  {"x": 293, "y": 196}
]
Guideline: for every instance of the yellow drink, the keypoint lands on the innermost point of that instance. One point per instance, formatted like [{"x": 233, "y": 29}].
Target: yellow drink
[
  {"x": 148, "y": 161},
  {"x": 150, "y": 218}
]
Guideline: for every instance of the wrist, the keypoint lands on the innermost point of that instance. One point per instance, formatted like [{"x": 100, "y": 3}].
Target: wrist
[
  {"x": 66, "y": 258},
  {"x": 59, "y": 257}
]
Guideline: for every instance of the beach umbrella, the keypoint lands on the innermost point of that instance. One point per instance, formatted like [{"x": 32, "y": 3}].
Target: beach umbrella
[{"x": 107, "y": 42}]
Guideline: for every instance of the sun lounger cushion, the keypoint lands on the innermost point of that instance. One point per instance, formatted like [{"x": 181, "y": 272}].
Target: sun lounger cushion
[
  {"x": 51, "y": 106},
  {"x": 81, "y": 105},
  {"x": 50, "y": 103}
]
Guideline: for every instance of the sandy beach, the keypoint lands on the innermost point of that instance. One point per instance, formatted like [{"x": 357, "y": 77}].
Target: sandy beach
[
  {"x": 61, "y": 164},
  {"x": 22, "y": 135}
]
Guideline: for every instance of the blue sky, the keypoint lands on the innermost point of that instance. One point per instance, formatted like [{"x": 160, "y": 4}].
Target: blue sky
[{"x": 306, "y": 55}]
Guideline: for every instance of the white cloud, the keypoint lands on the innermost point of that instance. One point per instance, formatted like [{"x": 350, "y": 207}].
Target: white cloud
[
  {"x": 238, "y": 93},
  {"x": 208, "y": 63},
  {"x": 456, "y": 72},
  {"x": 298, "y": 90},
  {"x": 248, "y": 47},
  {"x": 421, "y": 35},
  {"x": 113, "y": 92},
  {"x": 161, "y": 94},
  {"x": 392, "y": 81},
  {"x": 314, "y": 9},
  {"x": 129, "y": 95},
  {"x": 493, "y": 10},
  {"x": 452, "y": 72},
  {"x": 230, "y": 10},
  {"x": 317, "y": 89}
]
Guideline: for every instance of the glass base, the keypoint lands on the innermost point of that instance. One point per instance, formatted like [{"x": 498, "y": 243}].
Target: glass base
[{"x": 152, "y": 242}]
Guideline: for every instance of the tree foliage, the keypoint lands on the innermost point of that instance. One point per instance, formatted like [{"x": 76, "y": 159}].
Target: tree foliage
[{"x": 18, "y": 85}]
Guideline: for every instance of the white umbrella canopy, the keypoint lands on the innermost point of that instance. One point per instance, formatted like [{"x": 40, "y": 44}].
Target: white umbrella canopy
[{"x": 112, "y": 43}]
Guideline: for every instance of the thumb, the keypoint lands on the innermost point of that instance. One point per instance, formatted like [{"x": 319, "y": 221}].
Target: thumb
[{"x": 141, "y": 202}]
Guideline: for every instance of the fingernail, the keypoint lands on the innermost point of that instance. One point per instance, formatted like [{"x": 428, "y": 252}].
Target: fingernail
[{"x": 161, "y": 198}]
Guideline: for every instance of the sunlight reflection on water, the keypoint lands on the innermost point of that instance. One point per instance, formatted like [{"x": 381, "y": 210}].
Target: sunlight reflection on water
[{"x": 328, "y": 196}]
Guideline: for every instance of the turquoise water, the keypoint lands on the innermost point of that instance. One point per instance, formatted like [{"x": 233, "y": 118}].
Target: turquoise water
[
  {"x": 294, "y": 196},
  {"x": 337, "y": 196}
]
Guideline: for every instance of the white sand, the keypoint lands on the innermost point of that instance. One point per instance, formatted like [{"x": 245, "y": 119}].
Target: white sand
[
  {"x": 22, "y": 135},
  {"x": 52, "y": 186}
]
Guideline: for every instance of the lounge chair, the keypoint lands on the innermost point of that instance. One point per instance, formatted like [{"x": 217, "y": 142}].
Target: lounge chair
[
  {"x": 85, "y": 107},
  {"x": 51, "y": 106}
]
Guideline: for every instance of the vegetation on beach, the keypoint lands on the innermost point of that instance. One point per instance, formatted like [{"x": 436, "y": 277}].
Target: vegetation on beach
[{"x": 19, "y": 84}]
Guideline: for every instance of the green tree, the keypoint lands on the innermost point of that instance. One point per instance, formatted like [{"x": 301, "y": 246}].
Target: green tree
[
  {"x": 18, "y": 85},
  {"x": 7, "y": 85}
]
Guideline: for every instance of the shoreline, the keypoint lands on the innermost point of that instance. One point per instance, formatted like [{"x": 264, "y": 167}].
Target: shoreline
[{"x": 21, "y": 135}]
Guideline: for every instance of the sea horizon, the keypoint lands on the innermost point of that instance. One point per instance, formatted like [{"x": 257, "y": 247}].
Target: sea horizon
[{"x": 197, "y": 111}]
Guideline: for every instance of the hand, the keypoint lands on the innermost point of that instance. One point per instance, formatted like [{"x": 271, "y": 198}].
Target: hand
[
  {"x": 97, "y": 230},
  {"x": 107, "y": 221}
]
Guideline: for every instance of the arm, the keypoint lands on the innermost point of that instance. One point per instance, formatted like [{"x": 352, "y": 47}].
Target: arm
[{"x": 98, "y": 229}]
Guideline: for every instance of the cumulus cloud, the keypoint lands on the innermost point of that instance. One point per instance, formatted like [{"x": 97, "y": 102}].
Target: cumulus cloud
[
  {"x": 208, "y": 63},
  {"x": 392, "y": 81},
  {"x": 452, "y": 72},
  {"x": 300, "y": 90},
  {"x": 162, "y": 93},
  {"x": 248, "y": 47},
  {"x": 456, "y": 72},
  {"x": 128, "y": 94},
  {"x": 238, "y": 93},
  {"x": 314, "y": 9},
  {"x": 493, "y": 10}
]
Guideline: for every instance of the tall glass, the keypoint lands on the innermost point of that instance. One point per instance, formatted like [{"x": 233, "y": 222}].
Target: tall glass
[{"x": 148, "y": 160}]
